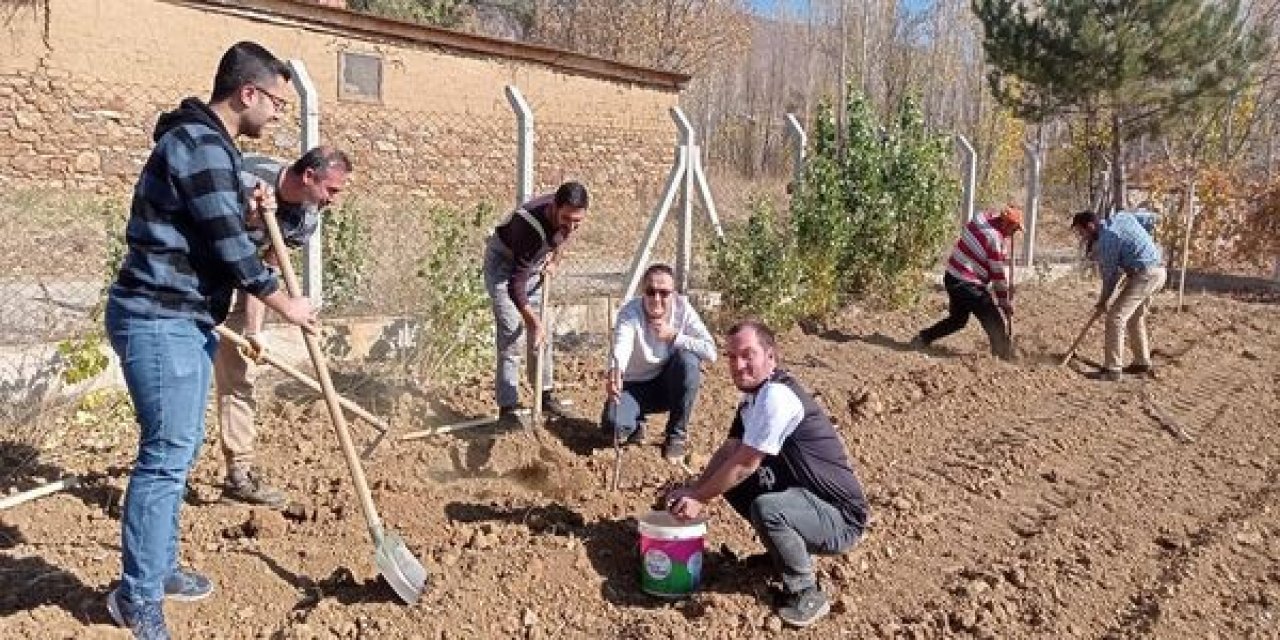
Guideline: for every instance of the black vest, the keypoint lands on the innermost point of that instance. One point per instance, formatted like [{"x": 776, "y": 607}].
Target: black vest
[{"x": 812, "y": 457}]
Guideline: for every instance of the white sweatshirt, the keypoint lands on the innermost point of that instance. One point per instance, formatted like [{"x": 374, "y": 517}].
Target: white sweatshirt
[{"x": 639, "y": 351}]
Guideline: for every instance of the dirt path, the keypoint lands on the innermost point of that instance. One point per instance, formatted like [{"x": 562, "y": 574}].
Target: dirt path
[{"x": 1010, "y": 501}]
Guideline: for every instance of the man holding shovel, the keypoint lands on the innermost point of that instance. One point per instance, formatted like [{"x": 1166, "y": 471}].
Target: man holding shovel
[
  {"x": 785, "y": 469},
  {"x": 187, "y": 251},
  {"x": 299, "y": 192},
  {"x": 1122, "y": 244},
  {"x": 528, "y": 243},
  {"x": 977, "y": 268},
  {"x": 659, "y": 344}
]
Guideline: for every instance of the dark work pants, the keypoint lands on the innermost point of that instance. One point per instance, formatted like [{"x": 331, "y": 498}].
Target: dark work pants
[
  {"x": 674, "y": 391},
  {"x": 968, "y": 299}
]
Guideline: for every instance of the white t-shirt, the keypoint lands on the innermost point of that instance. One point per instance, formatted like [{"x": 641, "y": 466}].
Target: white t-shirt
[{"x": 769, "y": 416}]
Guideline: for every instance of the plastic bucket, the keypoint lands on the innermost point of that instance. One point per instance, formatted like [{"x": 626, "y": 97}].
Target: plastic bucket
[{"x": 670, "y": 554}]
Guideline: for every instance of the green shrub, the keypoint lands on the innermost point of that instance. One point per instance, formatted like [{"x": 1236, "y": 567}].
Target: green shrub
[
  {"x": 456, "y": 336},
  {"x": 864, "y": 223},
  {"x": 345, "y": 252}
]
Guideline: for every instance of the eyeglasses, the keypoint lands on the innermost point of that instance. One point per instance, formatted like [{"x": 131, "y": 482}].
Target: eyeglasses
[
  {"x": 658, "y": 293},
  {"x": 277, "y": 103}
]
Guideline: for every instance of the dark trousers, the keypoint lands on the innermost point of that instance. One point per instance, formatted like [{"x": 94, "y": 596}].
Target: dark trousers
[
  {"x": 968, "y": 299},
  {"x": 674, "y": 391}
]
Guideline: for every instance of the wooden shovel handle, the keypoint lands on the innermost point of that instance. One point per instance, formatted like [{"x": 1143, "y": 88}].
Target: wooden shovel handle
[{"x": 326, "y": 385}]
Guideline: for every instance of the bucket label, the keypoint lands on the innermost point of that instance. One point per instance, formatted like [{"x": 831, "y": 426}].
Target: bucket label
[{"x": 657, "y": 564}]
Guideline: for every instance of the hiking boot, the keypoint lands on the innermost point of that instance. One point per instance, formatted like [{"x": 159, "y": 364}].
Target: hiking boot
[
  {"x": 805, "y": 608},
  {"x": 245, "y": 486},
  {"x": 673, "y": 449},
  {"x": 557, "y": 407},
  {"x": 187, "y": 586},
  {"x": 1138, "y": 369},
  {"x": 1104, "y": 375},
  {"x": 145, "y": 620}
]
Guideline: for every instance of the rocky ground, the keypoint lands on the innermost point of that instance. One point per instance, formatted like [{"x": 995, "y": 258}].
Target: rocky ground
[{"x": 1010, "y": 501}]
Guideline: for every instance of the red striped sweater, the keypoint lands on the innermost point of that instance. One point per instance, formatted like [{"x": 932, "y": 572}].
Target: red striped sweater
[{"x": 979, "y": 258}]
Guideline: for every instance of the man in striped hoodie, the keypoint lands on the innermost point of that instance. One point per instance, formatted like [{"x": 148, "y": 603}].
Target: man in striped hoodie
[
  {"x": 976, "y": 269},
  {"x": 187, "y": 251}
]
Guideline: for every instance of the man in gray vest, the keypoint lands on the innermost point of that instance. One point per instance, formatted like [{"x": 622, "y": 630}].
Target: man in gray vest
[
  {"x": 299, "y": 192},
  {"x": 528, "y": 242},
  {"x": 785, "y": 469}
]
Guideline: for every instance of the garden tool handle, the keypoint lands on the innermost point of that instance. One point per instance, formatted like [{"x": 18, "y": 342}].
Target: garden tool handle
[
  {"x": 535, "y": 420},
  {"x": 326, "y": 385},
  {"x": 1097, "y": 313},
  {"x": 293, "y": 372}
]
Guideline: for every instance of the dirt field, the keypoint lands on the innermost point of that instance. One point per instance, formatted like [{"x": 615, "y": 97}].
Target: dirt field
[{"x": 1009, "y": 501}]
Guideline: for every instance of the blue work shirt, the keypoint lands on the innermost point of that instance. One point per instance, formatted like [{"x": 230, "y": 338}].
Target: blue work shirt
[{"x": 1123, "y": 244}]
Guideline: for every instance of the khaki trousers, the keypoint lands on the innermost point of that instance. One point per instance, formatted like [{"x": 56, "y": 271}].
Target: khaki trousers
[
  {"x": 1128, "y": 314},
  {"x": 234, "y": 376}
]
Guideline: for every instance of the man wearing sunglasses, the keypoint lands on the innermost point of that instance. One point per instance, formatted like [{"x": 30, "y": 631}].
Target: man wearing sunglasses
[
  {"x": 659, "y": 343},
  {"x": 297, "y": 193}
]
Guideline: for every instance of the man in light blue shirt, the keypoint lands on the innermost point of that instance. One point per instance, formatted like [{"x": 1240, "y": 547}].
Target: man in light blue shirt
[{"x": 1122, "y": 245}]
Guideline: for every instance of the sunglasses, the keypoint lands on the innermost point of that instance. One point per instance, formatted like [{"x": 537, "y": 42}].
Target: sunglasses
[{"x": 658, "y": 293}]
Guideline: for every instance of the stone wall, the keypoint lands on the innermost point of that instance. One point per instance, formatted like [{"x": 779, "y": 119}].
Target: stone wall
[{"x": 81, "y": 86}]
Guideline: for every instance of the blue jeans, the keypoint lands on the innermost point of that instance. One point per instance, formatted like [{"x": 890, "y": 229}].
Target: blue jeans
[
  {"x": 674, "y": 391},
  {"x": 795, "y": 522},
  {"x": 167, "y": 367},
  {"x": 509, "y": 327}
]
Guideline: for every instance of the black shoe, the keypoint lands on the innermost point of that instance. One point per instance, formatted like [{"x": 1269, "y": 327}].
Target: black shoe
[
  {"x": 673, "y": 449},
  {"x": 1138, "y": 369},
  {"x": 805, "y": 608},
  {"x": 1104, "y": 375},
  {"x": 511, "y": 417},
  {"x": 557, "y": 407}
]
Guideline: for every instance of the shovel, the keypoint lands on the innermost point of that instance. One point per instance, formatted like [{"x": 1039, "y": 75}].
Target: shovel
[
  {"x": 405, "y": 574},
  {"x": 288, "y": 369},
  {"x": 535, "y": 421}
]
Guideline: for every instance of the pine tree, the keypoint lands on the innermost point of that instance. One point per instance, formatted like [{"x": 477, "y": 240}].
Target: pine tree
[{"x": 1138, "y": 62}]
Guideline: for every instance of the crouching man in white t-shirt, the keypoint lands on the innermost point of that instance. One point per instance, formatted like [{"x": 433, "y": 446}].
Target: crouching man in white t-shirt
[{"x": 785, "y": 469}]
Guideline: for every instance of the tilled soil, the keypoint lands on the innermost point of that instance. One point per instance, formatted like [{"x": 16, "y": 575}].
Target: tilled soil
[{"x": 1009, "y": 501}]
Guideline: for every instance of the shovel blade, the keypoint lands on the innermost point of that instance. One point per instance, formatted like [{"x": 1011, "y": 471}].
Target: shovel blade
[{"x": 407, "y": 576}]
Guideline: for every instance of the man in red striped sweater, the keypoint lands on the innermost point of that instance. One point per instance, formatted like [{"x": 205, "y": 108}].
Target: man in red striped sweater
[{"x": 977, "y": 269}]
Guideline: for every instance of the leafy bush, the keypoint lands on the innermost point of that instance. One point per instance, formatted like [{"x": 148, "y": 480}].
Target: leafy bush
[
  {"x": 345, "y": 252},
  {"x": 456, "y": 336},
  {"x": 863, "y": 224}
]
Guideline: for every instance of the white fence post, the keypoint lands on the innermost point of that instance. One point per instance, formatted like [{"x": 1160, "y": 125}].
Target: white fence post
[
  {"x": 685, "y": 249},
  {"x": 1033, "y": 203},
  {"x": 524, "y": 142},
  {"x": 312, "y": 251},
  {"x": 800, "y": 146},
  {"x": 970, "y": 176}
]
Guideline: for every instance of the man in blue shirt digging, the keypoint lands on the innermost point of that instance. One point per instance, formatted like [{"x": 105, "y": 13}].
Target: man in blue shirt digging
[{"x": 1121, "y": 245}]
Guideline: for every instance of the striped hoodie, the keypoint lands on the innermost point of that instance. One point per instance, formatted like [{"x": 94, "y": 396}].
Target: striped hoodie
[
  {"x": 979, "y": 258},
  {"x": 187, "y": 246}
]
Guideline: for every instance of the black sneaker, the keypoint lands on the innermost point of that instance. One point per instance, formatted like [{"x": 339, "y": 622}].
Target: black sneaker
[
  {"x": 636, "y": 436},
  {"x": 1138, "y": 369},
  {"x": 247, "y": 487},
  {"x": 512, "y": 417},
  {"x": 805, "y": 608},
  {"x": 673, "y": 449},
  {"x": 555, "y": 406}
]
